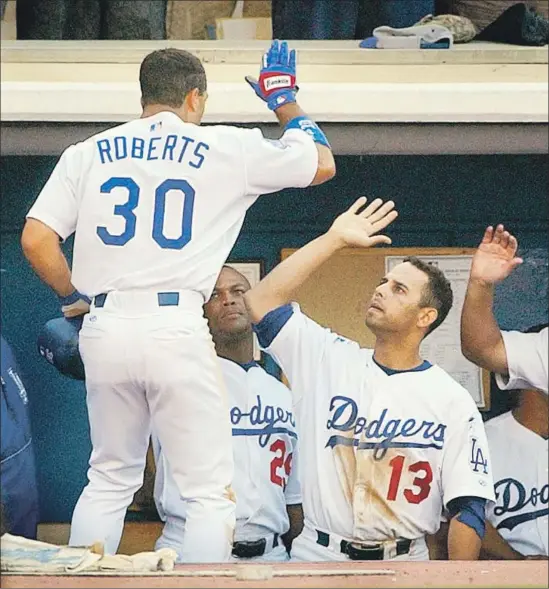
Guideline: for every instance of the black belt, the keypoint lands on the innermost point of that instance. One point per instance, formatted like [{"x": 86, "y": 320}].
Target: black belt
[
  {"x": 252, "y": 548},
  {"x": 165, "y": 299},
  {"x": 358, "y": 551}
]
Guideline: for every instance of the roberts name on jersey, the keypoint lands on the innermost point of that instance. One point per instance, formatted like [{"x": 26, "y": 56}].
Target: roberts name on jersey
[{"x": 166, "y": 147}]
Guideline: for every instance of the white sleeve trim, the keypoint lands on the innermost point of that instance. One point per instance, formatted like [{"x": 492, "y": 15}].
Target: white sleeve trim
[
  {"x": 526, "y": 355},
  {"x": 293, "y": 499},
  {"x": 51, "y": 222}
]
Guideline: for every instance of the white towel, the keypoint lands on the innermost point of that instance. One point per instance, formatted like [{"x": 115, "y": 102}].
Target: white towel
[
  {"x": 20, "y": 555},
  {"x": 416, "y": 37}
]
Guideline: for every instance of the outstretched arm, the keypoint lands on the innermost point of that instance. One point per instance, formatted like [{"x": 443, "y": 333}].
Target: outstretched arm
[
  {"x": 353, "y": 228},
  {"x": 326, "y": 164},
  {"x": 277, "y": 87},
  {"x": 481, "y": 339}
]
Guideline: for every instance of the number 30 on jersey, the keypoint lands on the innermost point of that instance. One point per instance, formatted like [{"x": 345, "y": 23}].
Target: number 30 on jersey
[{"x": 127, "y": 209}]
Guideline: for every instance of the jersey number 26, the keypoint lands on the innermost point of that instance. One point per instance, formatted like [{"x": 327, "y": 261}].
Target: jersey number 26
[{"x": 126, "y": 211}]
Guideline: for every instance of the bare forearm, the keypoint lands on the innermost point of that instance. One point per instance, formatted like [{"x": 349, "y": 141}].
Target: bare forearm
[
  {"x": 494, "y": 547},
  {"x": 279, "y": 286},
  {"x": 295, "y": 515},
  {"x": 43, "y": 251},
  {"x": 438, "y": 543},
  {"x": 481, "y": 339},
  {"x": 463, "y": 542},
  {"x": 477, "y": 307},
  {"x": 54, "y": 271}
]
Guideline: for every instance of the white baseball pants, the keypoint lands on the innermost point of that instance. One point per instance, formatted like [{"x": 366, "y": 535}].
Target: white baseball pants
[
  {"x": 306, "y": 549},
  {"x": 147, "y": 366},
  {"x": 174, "y": 529}
]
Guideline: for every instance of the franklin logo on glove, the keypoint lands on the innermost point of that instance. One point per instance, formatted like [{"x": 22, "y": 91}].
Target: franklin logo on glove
[
  {"x": 276, "y": 85},
  {"x": 277, "y": 82}
]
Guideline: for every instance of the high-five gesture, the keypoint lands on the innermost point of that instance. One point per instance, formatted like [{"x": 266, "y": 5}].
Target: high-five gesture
[
  {"x": 277, "y": 77},
  {"x": 356, "y": 228},
  {"x": 495, "y": 257},
  {"x": 481, "y": 338}
]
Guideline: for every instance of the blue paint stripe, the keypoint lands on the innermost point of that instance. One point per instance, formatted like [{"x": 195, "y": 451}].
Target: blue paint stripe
[
  {"x": 515, "y": 520},
  {"x": 343, "y": 441},
  {"x": 264, "y": 432}
]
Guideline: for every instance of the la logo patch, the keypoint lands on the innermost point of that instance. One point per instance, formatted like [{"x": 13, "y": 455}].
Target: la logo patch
[{"x": 478, "y": 460}]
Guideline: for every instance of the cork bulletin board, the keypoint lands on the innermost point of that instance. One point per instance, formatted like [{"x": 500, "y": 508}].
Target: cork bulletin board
[{"x": 337, "y": 294}]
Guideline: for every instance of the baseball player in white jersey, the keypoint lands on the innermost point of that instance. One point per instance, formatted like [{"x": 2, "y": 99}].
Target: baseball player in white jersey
[
  {"x": 387, "y": 440},
  {"x": 520, "y": 360},
  {"x": 156, "y": 205},
  {"x": 518, "y": 522},
  {"x": 268, "y": 496}
]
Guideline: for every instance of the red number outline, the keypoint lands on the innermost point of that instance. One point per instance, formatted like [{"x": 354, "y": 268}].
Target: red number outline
[
  {"x": 280, "y": 461},
  {"x": 422, "y": 483}
]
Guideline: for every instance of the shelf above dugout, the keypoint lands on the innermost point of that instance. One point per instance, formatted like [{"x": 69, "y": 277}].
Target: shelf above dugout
[
  {"x": 351, "y": 90},
  {"x": 250, "y": 52}
]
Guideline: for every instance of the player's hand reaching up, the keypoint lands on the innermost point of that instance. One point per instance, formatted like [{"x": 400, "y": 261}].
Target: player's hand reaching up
[
  {"x": 358, "y": 228},
  {"x": 277, "y": 77},
  {"x": 495, "y": 257}
]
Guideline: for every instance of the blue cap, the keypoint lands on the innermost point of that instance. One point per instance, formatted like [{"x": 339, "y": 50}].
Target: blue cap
[{"x": 58, "y": 344}]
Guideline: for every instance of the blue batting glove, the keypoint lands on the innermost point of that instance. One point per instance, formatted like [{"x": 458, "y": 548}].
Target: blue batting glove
[
  {"x": 277, "y": 77},
  {"x": 74, "y": 304}
]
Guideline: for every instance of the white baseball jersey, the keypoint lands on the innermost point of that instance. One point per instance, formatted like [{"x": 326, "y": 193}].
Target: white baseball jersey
[
  {"x": 158, "y": 203},
  {"x": 265, "y": 453},
  {"x": 527, "y": 360},
  {"x": 519, "y": 466},
  {"x": 381, "y": 451}
]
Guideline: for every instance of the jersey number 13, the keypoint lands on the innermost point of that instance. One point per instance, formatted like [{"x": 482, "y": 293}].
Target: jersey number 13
[
  {"x": 127, "y": 209},
  {"x": 421, "y": 485}
]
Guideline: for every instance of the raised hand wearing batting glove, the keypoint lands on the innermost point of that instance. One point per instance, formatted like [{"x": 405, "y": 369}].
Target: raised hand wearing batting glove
[
  {"x": 277, "y": 77},
  {"x": 357, "y": 226},
  {"x": 277, "y": 87}
]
